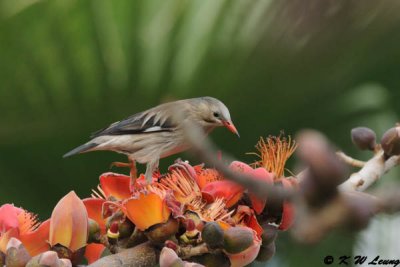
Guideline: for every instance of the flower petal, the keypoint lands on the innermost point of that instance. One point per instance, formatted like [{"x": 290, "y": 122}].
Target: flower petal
[
  {"x": 36, "y": 241},
  {"x": 93, "y": 252},
  {"x": 261, "y": 174},
  {"x": 116, "y": 185},
  {"x": 288, "y": 211},
  {"x": 206, "y": 176},
  {"x": 238, "y": 166},
  {"x": 9, "y": 217},
  {"x": 69, "y": 223},
  {"x": 94, "y": 208},
  {"x": 227, "y": 190},
  {"x": 146, "y": 210}
]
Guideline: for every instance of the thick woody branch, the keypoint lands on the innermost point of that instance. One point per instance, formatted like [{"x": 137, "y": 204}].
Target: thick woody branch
[
  {"x": 144, "y": 255},
  {"x": 372, "y": 171}
]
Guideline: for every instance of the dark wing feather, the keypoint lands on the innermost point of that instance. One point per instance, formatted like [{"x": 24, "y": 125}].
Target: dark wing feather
[{"x": 138, "y": 123}]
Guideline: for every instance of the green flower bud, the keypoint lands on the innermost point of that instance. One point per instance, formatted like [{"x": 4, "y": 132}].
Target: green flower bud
[{"x": 213, "y": 235}]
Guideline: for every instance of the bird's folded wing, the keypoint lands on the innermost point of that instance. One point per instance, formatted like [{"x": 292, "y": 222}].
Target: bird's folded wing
[{"x": 143, "y": 122}]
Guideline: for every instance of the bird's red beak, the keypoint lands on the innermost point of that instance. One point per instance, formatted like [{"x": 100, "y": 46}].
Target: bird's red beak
[{"x": 231, "y": 127}]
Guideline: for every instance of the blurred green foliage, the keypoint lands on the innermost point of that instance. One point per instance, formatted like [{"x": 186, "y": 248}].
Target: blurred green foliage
[{"x": 68, "y": 68}]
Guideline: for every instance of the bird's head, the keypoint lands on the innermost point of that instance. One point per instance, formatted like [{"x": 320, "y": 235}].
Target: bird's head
[{"x": 211, "y": 112}]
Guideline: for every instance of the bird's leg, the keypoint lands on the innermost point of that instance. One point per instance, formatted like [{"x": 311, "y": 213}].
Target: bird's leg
[
  {"x": 150, "y": 168},
  {"x": 131, "y": 164}
]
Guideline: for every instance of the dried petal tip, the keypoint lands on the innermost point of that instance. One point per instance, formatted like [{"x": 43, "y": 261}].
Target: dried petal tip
[
  {"x": 16, "y": 255},
  {"x": 391, "y": 141},
  {"x": 364, "y": 138}
]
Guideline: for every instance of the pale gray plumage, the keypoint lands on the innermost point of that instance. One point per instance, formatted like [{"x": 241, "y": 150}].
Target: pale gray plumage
[{"x": 147, "y": 136}]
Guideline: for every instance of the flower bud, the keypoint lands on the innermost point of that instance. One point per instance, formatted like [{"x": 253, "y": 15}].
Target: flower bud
[
  {"x": 266, "y": 252},
  {"x": 237, "y": 239},
  {"x": 2, "y": 259},
  {"x": 364, "y": 138},
  {"x": 17, "y": 255},
  {"x": 390, "y": 141},
  {"x": 94, "y": 231},
  {"x": 126, "y": 228},
  {"x": 269, "y": 235},
  {"x": 213, "y": 235},
  {"x": 161, "y": 232}
]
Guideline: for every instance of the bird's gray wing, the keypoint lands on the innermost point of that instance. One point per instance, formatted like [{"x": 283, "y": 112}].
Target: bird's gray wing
[{"x": 149, "y": 121}]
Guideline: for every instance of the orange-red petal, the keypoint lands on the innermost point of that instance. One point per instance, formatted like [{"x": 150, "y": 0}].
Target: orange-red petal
[
  {"x": 288, "y": 211},
  {"x": 238, "y": 166},
  {"x": 147, "y": 210},
  {"x": 94, "y": 208},
  {"x": 206, "y": 176},
  {"x": 229, "y": 191},
  {"x": 69, "y": 223},
  {"x": 36, "y": 241},
  {"x": 261, "y": 174},
  {"x": 93, "y": 252},
  {"x": 116, "y": 185}
]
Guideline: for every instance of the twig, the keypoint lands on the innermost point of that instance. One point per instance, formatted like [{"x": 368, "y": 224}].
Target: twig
[
  {"x": 349, "y": 160},
  {"x": 189, "y": 251}
]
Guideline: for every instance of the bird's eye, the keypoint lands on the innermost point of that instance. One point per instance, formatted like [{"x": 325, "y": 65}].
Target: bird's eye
[{"x": 216, "y": 114}]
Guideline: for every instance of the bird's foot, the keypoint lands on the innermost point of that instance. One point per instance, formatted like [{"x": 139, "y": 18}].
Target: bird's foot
[{"x": 131, "y": 165}]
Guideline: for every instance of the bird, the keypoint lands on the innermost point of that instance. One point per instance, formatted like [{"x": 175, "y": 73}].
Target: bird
[{"x": 158, "y": 132}]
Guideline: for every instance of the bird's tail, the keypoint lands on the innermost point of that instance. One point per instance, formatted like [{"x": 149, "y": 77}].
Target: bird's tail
[{"x": 81, "y": 149}]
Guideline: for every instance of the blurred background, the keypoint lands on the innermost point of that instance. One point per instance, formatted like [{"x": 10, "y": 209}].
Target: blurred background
[{"x": 68, "y": 68}]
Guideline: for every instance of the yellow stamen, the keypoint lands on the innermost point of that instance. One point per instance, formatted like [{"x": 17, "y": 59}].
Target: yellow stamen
[{"x": 274, "y": 151}]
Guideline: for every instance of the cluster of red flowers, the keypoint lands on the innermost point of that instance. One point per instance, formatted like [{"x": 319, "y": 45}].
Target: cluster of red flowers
[{"x": 188, "y": 206}]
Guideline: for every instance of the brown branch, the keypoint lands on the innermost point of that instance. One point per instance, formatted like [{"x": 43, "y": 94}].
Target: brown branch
[{"x": 144, "y": 255}]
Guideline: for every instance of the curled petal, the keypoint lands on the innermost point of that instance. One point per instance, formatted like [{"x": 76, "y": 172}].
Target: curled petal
[
  {"x": 94, "y": 208},
  {"x": 36, "y": 241},
  {"x": 93, "y": 252},
  {"x": 247, "y": 256},
  {"x": 227, "y": 190},
  {"x": 206, "y": 176},
  {"x": 245, "y": 216},
  {"x": 116, "y": 185},
  {"x": 69, "y": 223},
  {"x": 261, "y": 174},
  {"x": 184, "y": 167},
  {"x": 9, "y": 217},
  {"x": 146, "y": 210},
  {"x": 238, "y": 166},
  {"x": 288, "y": 211}
]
